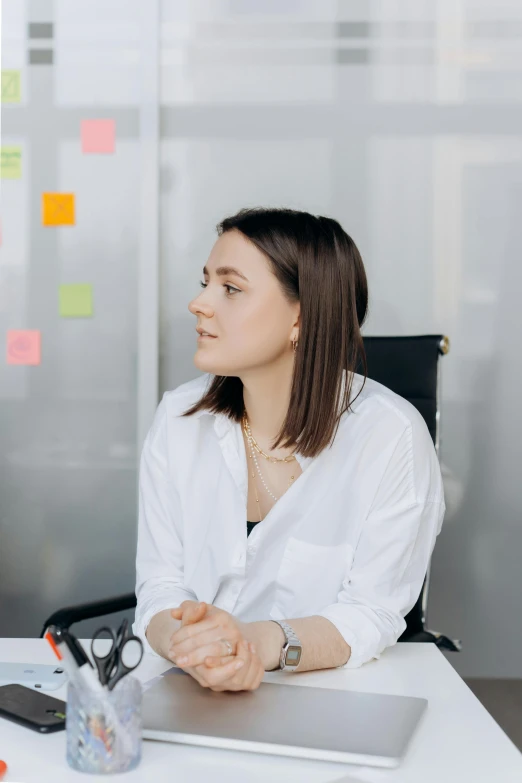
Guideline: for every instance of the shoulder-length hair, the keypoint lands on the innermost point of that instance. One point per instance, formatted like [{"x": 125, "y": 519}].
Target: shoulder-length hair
[{"x": 319, "y": 265}]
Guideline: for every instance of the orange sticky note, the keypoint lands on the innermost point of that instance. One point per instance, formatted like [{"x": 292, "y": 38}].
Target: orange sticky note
[
  {"x": 98, "y": 137},
  {"x": 58, "y": 209},
  {"x": 23, "y": 346}
]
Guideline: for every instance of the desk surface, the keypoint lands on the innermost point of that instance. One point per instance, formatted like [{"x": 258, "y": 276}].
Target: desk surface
[{"x": 457, "y": 739}]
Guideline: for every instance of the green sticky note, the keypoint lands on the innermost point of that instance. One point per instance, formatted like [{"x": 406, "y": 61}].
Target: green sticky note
[
  {"x": 76, "y": 300},
  {"x": 10, "y": 162},
  {"x": 11, "y": 86}
]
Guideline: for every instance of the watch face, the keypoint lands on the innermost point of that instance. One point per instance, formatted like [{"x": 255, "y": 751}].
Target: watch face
[{"x": 293, "y": 656}]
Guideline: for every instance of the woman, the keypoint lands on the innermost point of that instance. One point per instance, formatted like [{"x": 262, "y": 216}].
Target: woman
[{"x": 336, "y": 475}]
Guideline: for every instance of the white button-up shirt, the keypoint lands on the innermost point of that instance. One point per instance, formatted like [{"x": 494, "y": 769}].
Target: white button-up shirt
[{"x": 350, "y": 540}]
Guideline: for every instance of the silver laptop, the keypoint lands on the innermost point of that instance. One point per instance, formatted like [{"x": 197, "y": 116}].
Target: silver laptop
[{"x": 287, "y": 720}]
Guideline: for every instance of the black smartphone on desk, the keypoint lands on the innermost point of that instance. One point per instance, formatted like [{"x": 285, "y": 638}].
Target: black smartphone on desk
[{"x": 33, "y": 709}]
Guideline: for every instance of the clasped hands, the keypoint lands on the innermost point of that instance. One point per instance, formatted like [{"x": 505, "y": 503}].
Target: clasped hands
[{"x": 200, "y": 648}]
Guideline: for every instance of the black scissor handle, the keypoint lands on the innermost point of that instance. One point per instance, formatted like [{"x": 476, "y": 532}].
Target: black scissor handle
[
  {"x": 121, "y": 669},
  {"x": 104, "y": 663}
]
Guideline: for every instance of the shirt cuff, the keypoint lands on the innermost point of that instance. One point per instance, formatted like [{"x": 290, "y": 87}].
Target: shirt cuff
[{"x": 359, "y": 632}]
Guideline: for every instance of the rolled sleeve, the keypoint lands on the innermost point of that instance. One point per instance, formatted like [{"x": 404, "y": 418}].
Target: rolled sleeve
[
  {"x": 159, "y": 557},
  {"x": 396, "y": 541}
]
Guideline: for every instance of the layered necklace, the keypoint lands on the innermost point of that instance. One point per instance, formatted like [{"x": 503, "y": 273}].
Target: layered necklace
[{"x": 253, "y": 448}]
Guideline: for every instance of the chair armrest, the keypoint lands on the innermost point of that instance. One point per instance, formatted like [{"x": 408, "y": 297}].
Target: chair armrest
[
  {"x": 443, "y": 642},
  {"x": 73, "y": 614}
]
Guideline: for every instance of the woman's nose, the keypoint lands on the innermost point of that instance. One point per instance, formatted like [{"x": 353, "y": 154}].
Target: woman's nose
[{"x": 198, "y": 305}]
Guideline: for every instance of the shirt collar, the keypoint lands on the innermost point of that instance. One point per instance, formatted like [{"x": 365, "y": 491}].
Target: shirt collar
[{"x": 223, "y": 424}]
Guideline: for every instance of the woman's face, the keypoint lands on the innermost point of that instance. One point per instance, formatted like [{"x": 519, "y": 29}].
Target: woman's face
[{"x": 252, "y": 322}]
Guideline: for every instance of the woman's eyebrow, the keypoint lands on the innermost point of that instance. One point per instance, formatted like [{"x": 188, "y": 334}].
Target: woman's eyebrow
[{"x": 223, "y": 271}]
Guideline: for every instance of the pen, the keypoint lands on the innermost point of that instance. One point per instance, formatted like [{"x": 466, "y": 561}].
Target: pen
[{"x": 69, "y": 650}]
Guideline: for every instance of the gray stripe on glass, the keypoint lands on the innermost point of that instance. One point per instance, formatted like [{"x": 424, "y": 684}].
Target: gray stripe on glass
[
  {"x": 353, "y": 29},
  {"x": 352, "y": 56},
  {"x": 494, "y": 28},
  {"x": 41, "y": 57},
  {"x": 40, "y": 30}
]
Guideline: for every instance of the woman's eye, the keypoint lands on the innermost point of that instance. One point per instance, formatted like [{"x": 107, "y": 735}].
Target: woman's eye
[{"x": 230, "y": 288}]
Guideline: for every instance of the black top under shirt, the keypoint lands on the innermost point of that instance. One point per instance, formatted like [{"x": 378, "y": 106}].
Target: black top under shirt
[{"x": 250, "y": 527}]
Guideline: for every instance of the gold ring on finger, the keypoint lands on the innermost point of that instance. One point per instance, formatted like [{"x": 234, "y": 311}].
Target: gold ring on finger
[{"x": 230, "y": 649}]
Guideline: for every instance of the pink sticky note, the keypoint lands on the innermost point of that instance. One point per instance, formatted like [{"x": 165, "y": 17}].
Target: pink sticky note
[
  {"x": 23, "y": 346},
  {"x": 98, "y": 137}
]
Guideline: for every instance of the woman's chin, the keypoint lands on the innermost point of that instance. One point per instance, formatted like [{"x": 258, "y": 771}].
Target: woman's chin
[{"x": 206, "y": 364}]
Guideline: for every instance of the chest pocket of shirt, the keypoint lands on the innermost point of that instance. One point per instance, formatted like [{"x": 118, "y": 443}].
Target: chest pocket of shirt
[{"x": 309, "y": 578}]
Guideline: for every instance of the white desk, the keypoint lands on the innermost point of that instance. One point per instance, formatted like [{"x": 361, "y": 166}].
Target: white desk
[{"x": 457, "y": 740}]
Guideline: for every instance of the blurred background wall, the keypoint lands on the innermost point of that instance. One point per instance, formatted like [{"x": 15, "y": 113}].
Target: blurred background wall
[{"x": 401, "y": 119}]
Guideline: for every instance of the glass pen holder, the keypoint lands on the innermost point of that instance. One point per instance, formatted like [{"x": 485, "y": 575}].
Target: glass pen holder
[{"x": 104, "y": 730}]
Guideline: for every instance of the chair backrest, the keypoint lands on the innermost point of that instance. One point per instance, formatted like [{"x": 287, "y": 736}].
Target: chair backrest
[{"x": 409, "y": 366}]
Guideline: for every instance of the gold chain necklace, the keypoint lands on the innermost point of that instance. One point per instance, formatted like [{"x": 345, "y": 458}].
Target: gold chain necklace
[
  {"x": 253, "y": 457},
  {"x": 248, "y": 433}
]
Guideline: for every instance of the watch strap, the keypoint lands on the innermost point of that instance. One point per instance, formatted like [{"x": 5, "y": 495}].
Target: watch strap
[
  {"x": 291, "y": 638},
  {"x": 290, "y": 634}
]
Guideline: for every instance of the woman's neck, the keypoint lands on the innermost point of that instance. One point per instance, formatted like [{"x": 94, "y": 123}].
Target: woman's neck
[{"x": 266, "y": 394}]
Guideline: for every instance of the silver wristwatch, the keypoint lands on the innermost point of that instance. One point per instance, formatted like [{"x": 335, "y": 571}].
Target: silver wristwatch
[{"x": 292, "y": 649}]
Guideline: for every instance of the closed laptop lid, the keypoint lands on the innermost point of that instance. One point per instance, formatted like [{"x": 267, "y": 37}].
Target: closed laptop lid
[{"x": 307, "y": 722}]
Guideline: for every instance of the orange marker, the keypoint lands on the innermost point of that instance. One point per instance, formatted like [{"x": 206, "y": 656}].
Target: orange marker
[{"x": 3, "y": 769}]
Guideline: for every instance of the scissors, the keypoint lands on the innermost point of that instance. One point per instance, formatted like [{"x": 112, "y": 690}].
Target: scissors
[{"x": 116, "y": 663}]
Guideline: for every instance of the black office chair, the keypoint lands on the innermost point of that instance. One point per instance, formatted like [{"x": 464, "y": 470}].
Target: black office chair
[{"x": 408, "y": 366}]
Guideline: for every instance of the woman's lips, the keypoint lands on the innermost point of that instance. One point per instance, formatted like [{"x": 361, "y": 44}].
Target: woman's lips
[{"x": 206, "y": 337}]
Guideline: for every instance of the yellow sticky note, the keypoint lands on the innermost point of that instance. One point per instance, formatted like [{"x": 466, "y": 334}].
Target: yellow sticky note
[
  {"x": 76, "y": 300},
  {"x": 11, "y": 86},
  {"x": 58, "y": 209},
  {"x": 10, "y": 162}
]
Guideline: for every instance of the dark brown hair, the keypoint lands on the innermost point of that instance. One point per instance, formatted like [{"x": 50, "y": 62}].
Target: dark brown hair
[{"x": 319, "y": 265}]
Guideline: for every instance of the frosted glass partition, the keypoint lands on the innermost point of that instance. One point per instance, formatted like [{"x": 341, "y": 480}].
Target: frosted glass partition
[
  {"x": 69, "y": 439},
  {"x": 402, "y": 120}
]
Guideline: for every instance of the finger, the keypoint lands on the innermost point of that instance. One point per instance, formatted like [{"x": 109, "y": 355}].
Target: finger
[
  {"x": 242, "y": 678},
  {"x": 181, "y": 610},
  {"x": 248, "y": 674},
  {"x": 219, "y": 674},
  {"x": 244, "y": 675},
  {"x": 184, "y": 605},
  {"x": 216, "y": 660},
  {"x": 212, "y": 661},
  {"x": 223, "y": 673},
  {"x": 208, "y": 624},
  {"x": 187, "y": 608},
  {"x": 200, "y": 610},
  {"x": 195, "y": 657},
  {"x": 250, "y": 678},
  {"x": 189, "y": 612},
  {"x": 194, "y": 615},
  {"x": 190, "y": 618},
  {"x": 198, "y": 673},
  {"x": 200, "y": 640},
  {"x": 255, "y": 674}
]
